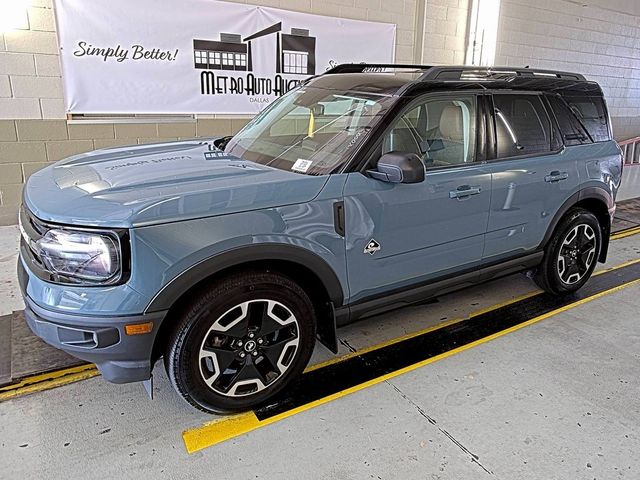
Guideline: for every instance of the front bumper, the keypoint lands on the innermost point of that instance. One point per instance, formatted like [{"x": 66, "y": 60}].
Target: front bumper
[{"x": 102, "y": 340}]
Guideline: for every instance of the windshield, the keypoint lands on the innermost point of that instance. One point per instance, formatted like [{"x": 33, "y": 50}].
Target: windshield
[{"x": 310, "y": 130}]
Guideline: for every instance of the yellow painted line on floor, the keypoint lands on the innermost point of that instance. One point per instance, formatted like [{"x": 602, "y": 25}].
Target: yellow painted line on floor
[
  {"x": 217, "y": 431},
  {"x": 616, "y": 267},
  {"x": 625, "y": 233},
  {"x": 46, "y": 381},
  {"x": 408, "y": 336},
  {"x": 453, "y": 321}
]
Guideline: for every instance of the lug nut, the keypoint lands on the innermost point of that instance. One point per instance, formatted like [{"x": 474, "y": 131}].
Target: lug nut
[
  {"x": 239, "y": 343},
  {"x": 242, "y": 354},
  {"x": 260, "y": 341},
  {"x": 251, "y": 335},
  {"x": 255, "y": 353}
]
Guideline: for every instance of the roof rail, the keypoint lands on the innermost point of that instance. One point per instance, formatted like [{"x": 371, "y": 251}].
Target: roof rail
[
  {"x": 457, "y": 72},
  {"x": 502, "y": 73},
  {"x": 374, "y": 67}
]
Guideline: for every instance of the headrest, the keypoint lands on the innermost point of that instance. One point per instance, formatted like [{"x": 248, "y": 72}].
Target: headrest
[{"x": 451, "y": 123}]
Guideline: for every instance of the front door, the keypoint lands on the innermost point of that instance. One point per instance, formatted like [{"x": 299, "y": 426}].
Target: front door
[{"x": 398, "y": 235}]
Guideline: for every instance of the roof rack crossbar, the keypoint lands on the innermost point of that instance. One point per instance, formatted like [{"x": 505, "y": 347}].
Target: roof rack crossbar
[{"x": 455, "y": 72}]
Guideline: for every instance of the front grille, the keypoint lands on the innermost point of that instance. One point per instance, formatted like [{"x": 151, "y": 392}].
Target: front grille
[{"x": 32, "y": 230}]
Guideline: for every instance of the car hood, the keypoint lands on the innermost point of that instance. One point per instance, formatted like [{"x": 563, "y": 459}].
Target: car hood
[{"x": 151, "y": 184}]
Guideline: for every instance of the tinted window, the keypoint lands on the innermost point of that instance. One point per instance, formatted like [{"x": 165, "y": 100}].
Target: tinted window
[
  {"x": 522, "y": 125},
  {"x": 593, "y": 115},
  {"x": 441, "y": 130},
  {"x": 572, "y": 131}
]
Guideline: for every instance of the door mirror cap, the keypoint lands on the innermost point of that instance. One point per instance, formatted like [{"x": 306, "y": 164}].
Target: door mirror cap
[{"x": 399, "y": 167}]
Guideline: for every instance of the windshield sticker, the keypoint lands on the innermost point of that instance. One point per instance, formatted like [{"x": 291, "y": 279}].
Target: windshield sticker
[{"x": 301, "y": 165}]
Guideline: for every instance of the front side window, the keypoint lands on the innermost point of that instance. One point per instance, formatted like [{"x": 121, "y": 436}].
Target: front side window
[
  {"x": 522, "y": 125},
  {"x": 310, "y": 130},
  {"x": 441, "y": 130}
]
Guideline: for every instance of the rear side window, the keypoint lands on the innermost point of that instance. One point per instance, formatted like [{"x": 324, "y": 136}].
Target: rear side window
[
  {"x": 572, "y": 131},
  {"x": 593, "y": 115},
  {"x": 522, "y": 125}
]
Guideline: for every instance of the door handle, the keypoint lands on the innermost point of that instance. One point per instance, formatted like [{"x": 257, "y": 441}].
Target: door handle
[
  {"x": 556, "y": 176},
  {"x": 464, "y": 191}
]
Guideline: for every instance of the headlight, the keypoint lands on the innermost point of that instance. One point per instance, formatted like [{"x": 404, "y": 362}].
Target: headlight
[{"x": 81, "y": 257}]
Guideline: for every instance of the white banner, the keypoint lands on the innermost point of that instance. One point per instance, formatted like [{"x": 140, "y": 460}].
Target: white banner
[{"x": 200, "y": 56}]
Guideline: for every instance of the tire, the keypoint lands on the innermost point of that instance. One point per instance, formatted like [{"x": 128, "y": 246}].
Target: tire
[
  {"x": 571, "y": 254},
  {"x": 240, "y": 341}
]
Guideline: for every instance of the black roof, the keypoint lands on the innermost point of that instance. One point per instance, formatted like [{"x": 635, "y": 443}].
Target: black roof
[{"x": 396, "y": 79}]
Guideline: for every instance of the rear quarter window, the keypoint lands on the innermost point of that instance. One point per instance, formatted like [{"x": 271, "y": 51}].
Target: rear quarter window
[
  {"x": 573, "y": 133},
  {"x": 592, "y": 113}
]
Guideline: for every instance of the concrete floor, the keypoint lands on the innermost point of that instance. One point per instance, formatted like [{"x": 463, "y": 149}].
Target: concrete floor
[{"x": 556, "y": 400}]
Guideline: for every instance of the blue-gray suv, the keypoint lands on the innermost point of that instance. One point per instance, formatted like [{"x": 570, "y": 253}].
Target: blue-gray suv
[{"x": 362, "y": 190}]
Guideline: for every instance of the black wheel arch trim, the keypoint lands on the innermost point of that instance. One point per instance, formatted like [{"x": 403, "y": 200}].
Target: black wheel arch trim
[
  {"x": 595, "y": 193},
  {"x": 198, "y": 272}
]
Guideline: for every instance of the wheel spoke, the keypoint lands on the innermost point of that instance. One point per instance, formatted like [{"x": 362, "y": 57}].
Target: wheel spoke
[
  {"x": 233, "y": 375},
  {"x": 276, "y": 318},
  {"x": 214, "y": 362},
  {"x": 233, "y": 322},
  {"x": 247, "y": 377},
  {"x": 257, "y": 314},
  {"x": 274, "y": 350},
  {"x": 267, "y": 368}
]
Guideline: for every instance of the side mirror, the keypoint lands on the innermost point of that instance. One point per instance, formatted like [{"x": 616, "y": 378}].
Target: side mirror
[{"x": 399, "y": 167}]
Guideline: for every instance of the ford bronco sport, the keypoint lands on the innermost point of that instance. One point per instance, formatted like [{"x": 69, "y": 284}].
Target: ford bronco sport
[{"x": 364, "y": 189}]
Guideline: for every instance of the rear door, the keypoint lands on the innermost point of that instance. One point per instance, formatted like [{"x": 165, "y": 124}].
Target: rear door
[{"x": 532, "y": 174}]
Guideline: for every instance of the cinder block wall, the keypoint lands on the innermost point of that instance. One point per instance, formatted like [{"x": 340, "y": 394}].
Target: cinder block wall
[
  {"x": 33, "y": 127},
  {"x": 445, "y": 32},
  {"x": 599, "y": 38}
]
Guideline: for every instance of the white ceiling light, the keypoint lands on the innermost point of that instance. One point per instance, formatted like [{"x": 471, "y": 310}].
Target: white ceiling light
[
  {"x": 483, "y": 32},
  {"x": 13, "y": 14}
]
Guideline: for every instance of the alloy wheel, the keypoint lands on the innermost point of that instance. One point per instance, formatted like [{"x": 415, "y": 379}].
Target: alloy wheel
[
  {"x": 577, "y": 253},
  {"x": 249, "y": 347}
]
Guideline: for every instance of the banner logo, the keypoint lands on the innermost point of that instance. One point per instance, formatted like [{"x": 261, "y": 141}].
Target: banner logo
[{"x": 295, "y": 54}]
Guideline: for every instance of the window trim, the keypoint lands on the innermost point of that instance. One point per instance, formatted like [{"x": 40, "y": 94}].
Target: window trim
[
  {"x": 493, "y": 157},
  {"x": 392, "y": 116}
]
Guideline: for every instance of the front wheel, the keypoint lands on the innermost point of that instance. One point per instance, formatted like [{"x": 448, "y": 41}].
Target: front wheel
[
  {"x": 572, "y": 253},
  {"x": 241, "y": 341}
]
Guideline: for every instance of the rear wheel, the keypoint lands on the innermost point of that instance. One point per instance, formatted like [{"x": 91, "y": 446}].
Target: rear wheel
[
  {"x": 572, "y": 253},
  {"x": 242, "y": 340}
]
